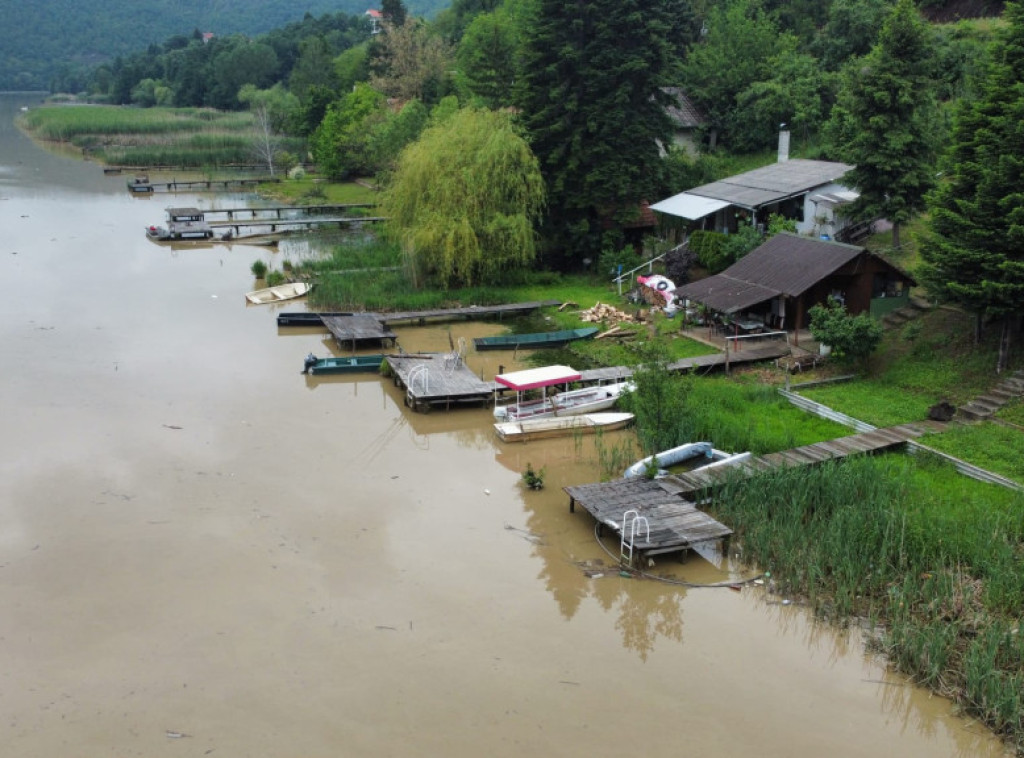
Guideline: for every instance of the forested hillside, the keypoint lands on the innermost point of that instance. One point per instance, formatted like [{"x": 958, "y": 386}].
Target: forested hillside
[{"x": 44, "y": 39}]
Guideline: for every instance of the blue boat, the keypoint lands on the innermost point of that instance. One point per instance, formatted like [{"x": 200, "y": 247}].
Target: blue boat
[{"x": 353, "y": 364}]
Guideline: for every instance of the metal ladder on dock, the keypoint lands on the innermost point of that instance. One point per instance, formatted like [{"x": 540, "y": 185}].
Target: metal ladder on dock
[
  {"x": 632, "y": 525},
  {"x": 418, "y": 373}
]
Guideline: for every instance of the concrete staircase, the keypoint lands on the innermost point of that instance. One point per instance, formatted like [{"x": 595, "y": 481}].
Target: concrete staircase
[
  {"x": 983, "y": 406},
  {"x": 915, "y": 308}
]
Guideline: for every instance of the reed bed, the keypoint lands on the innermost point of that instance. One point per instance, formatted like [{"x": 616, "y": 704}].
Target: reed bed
[
  {"x": 368, "y": 273},
  {"x": 936, "y": 560},
  {"x": 64, "y": 123}
]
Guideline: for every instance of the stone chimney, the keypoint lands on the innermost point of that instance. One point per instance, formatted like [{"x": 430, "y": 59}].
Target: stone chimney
[{"x": 783, "y": 143}]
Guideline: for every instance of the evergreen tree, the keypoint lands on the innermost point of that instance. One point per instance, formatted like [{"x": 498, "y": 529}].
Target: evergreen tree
[
  {"x": 885, "y": 121},
  {"x": 974, "y": 245},
  {"x": 393, "y": 11},
  {"x": 592, "y": 102}
]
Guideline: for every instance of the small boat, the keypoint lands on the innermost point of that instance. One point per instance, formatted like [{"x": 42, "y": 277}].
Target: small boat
[
  {"x": 565, "y": 403},
  {"x": 353, "y": 364},
  {"x": 158, "y": 233},
  {"x": 558, "y": 426},
  {"x": 306, "y": 319},
  {"x": 534, "y": 340},
  {"x": 140, "y": 183},
  {"x": 673, "y": 456},
  {"x": 278, "y": 293}
]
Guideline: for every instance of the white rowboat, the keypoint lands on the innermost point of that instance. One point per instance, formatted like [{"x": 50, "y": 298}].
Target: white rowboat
[
  {"x": 558, "y": 426},
  {"x": 278, "y": 293}
]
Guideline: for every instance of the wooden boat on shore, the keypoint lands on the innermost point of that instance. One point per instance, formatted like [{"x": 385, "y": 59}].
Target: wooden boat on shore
[
  {"x": 560, "y": 426},
  {"x": 352, "y": 364},
  {"x": 565, "y": 403},
  {"x": 278, "y": 293},
  {"x": 535, "y": 340}
]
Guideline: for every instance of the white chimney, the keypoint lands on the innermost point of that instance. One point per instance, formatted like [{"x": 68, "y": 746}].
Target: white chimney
[{"x": 783, "y": 143}]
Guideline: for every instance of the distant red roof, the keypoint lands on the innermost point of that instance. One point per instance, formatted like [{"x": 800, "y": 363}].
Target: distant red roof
[{"x": 372, "y": 13}]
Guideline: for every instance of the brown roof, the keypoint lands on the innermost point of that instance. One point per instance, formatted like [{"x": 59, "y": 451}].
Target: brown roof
[
  {"x": 682, "y": 111},
  {"x": 786, "y": 264}
]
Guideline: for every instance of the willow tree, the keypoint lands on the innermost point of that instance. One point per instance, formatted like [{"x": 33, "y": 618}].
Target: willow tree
[{"x": 464, "y": 199}]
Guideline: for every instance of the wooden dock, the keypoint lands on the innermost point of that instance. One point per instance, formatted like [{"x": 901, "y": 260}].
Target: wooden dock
[
  {"x": 199, "y": 185},
  {"x": 693, "y": 482},
  {"x": 295, "y": 224},
  {"x": 276, "y": 211},
  {"x": 353, "y": 329},
  {"x": 675, "y": 522},
  {"x": 420, "y": 317},
  {"x": 769, "y": 351},
  {"x": 437, "y": 380},
  {"x": 469, "y": 312},
  {"x": 675, "y": 525}
]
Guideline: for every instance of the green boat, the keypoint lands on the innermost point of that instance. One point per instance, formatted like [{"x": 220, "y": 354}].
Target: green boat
[
  {"x": 535, "y": 340},
  {"x": 354, "y": 364}
]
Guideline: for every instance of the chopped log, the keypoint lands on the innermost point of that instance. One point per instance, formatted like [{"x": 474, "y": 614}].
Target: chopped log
[{"x": 568, "y": 304}]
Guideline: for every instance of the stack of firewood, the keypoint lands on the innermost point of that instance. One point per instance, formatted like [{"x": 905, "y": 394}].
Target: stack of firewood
[{"x": 606, "y": 313}]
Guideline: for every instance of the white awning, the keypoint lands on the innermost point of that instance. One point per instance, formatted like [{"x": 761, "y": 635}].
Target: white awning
[
  {"x": 532, "y": 378},
  {"x": 692, "y": 207}
]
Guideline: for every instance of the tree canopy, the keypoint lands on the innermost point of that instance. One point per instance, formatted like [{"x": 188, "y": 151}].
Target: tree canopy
[
  {"x": 592, "y": 101},
  {"x": 974, "y": 246},
  {"x": 885, "y": 121},
  {"x": 464, "y": 199}
]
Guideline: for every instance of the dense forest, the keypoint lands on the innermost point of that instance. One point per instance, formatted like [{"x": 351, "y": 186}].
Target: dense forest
[{"x": 48, "y": 39}]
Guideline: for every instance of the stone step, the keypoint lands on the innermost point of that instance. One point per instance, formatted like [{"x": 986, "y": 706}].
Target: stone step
[
  {"x": 987, "y": 401},
  {"x": 895, "y": 318},
  {"x": 1004, "y": 394},
  {"x": 920, "y": 303},
  {"x": 973, "y": 412}
]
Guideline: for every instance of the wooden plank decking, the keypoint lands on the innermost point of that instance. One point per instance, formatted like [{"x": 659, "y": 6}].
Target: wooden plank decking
[
  {"x": 437, "y": 379},
  {"x": 866, "y": 442},
  {"x": 768, "y": 351},
  {"x": 469, "y": 312},
  {"x": 675, "y": 524},
  {"x": 349, "y": 330}
]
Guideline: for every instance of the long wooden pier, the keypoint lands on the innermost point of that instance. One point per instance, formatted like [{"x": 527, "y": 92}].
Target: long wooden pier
[
  {"x": 437, "y": 379},
  {"x": 275, "y": 211},
  {"x": 676, "y": 523},
  {"x": 696, "y": 481},
  {"x": 278, "y": 225},
  {"x": 196, "y": 185},
  {"x": 421, "y": 317}
]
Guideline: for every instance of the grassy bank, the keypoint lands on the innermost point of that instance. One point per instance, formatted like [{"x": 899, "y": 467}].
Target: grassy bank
[
  {"x": 934, "y": 559},
  {"x": 929, "y": 360}
]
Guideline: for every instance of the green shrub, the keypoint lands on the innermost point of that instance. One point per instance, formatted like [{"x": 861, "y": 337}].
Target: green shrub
[
  {"x": 275, "y": 278},
  {"x": 259, "y": 269}
]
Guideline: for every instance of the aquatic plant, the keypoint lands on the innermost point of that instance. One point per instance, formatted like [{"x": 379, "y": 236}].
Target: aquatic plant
[{"x": 258, "y": 269}]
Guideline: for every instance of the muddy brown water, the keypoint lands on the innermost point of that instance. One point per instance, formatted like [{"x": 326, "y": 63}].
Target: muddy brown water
[{"x": 204, "y": 552}]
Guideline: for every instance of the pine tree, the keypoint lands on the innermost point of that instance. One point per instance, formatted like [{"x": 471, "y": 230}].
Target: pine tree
[
  {"x": 974, "y": 245},
  {"x": 884, "y": 122},
  {"x": 591, "y": 99}
]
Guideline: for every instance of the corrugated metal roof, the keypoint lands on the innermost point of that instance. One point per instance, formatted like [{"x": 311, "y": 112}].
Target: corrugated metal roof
[
  {"x": 725, "y": 294},
  {"x": 772, "y": 183},
  {"x": 786, "y": 264}
]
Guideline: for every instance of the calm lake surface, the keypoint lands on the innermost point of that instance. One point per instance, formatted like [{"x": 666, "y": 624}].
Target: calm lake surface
[{"x": 203, "y": 552}]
